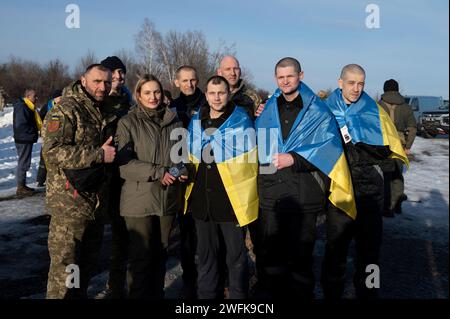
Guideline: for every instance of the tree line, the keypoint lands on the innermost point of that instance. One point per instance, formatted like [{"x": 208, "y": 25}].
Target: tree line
[{"x": 154, "y": 53}]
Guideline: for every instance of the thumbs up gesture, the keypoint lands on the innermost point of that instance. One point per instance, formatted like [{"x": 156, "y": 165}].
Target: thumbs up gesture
[{"x": 108, "y": 151}]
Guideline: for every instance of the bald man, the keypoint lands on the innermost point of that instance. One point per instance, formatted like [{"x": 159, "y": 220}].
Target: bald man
[
  {"x": 241, "y": 95},
  {"x": 369, "y": 153}
]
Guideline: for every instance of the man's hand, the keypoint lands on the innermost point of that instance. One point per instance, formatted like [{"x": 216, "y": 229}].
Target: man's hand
[
  {"x": 407, "y": 151},
  {"x": 260, "y": 109},
  {"x": 282, "y": 160},
  {"x": 182, "y": 178},
  {"x": 168, "y": 179},
  {"x": 109, "y": 151}
]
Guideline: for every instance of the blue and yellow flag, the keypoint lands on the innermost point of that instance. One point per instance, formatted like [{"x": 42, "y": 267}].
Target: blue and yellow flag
[
  {"x": 235, "y": 153},
  {"x": 37, "y": 117},
  {"x": 314, "y": 136},
  {"x": 367, "y": 122}
]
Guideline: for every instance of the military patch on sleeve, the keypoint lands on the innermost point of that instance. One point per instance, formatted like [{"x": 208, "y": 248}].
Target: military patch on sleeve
[{"x": 54, "y": 124}]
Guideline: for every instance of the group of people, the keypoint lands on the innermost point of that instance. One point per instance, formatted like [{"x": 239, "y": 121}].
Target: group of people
[{"x": 112, "y": 156}]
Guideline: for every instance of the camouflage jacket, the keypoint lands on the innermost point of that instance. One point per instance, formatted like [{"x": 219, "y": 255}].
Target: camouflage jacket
[
  {"x": 246, "y": 98},
  {"x": 72, "y": 139}
]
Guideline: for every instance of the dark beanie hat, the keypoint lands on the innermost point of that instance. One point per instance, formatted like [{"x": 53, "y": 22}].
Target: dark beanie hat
[
  {"x": 113, "y": 63},
  {"x": 56, "y": 93},
  {"x": 390, "y": 85}
]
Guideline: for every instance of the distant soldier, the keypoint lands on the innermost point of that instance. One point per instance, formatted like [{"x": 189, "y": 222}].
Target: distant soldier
[
  {"x": 403, "y": 117},
  {"x": 75, "y": 155}
]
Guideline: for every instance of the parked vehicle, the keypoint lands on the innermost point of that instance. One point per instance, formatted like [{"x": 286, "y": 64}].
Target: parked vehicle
[
  {"x": 422, "y": 103},
  {"x": 434, "y": 122}
]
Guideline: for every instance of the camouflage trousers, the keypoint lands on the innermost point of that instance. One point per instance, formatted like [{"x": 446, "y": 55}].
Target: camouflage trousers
[{"x": 74, "y": 246}]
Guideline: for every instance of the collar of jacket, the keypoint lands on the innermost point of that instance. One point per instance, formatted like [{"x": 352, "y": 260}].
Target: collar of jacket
[
  {"x": 168, "y": 117},
  {"x": 241, "y": 87},
  {"x": 204, "y": 112},
  {"x": 191, "y": 100}
]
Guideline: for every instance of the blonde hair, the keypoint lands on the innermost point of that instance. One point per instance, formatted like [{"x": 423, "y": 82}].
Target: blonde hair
[{"x": 144, "y": 79}]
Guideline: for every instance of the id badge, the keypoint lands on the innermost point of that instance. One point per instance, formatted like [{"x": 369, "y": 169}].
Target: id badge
[{"x": 345, "y": 134}]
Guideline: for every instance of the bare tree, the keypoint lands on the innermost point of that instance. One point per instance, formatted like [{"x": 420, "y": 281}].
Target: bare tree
[
  {"x": 56, "y": 76},
  {"x": 162, "y": 55},
  {"x": 17, "y": 75},
  {"x": 84, "y": 62},
  {"x": 147, "y": 43}
]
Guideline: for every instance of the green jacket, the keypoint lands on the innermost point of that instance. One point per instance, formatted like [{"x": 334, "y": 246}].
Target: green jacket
[
  {"x": 144, "y": 147},
  {"x": 402, "y": 116}
]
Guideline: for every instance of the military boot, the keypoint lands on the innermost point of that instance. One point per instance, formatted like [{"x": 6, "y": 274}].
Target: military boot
[
  {"x": 23, "y": 190},
  {"x": 398, "y": 207}
]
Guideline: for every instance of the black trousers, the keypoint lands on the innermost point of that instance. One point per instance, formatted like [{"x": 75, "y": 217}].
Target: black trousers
[
  {"x": 42, "y": 171},
  {"x": 188, "y": 245},
  {"x": 339, "y": 234},
  {"x": 284, "y": 244},
  {"x": 119, "y": 256},
  {"x": 209, "y": 237},
  {"x": 285, "y": 232},
  {"x": 368, "y": 230},
  {"x": 148, "y": 242}
]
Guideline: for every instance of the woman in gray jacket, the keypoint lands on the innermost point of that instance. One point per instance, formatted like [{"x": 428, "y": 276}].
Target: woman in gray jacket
[{"x": 150, "y": 195}]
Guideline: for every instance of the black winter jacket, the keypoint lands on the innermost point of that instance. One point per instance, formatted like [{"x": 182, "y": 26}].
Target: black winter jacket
[
  {"x": 367, "y": 165},
  {"x": 24, "y": 124},
  {"x": 186, "y": 106}
]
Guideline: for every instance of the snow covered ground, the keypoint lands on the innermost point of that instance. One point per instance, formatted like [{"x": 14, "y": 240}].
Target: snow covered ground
[
  {"x": 23, "y": 229},
  {"x": 8, "y": 156}
]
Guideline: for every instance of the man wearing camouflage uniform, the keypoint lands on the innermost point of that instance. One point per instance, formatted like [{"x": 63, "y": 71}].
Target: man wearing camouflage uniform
[
  {"x": 403, "y": 117},
  {"x": 115, "y": 105},
  {"x": 72, "y": 147}
]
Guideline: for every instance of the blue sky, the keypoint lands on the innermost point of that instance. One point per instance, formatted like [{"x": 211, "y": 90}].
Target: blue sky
[{"x": 411, "y": 45}]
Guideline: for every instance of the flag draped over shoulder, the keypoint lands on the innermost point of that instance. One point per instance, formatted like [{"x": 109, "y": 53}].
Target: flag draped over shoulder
[
  {"x": 32, "y": 107},
  {"x": 235, "y": 154},
  {"x": 314, "y": 136},
  {"x": 367, "y": 122}
]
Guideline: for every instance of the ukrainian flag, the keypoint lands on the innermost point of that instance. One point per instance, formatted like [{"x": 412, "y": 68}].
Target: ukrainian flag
[
  {"x": 315, "y": 136},
  {"x": 235, "y": 154},
  {"x": 367, "y": 122}
]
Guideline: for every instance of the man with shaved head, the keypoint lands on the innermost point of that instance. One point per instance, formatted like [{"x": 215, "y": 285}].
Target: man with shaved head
[
  {"x": 309, "y": 163},
  {"x": 241, "y": 95},
  {"x": 371, "y": 144},
  {"x": 75, "y": 157}
]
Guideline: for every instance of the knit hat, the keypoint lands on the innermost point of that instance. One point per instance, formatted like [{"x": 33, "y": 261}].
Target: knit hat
[
  {"x": 390, "y": 85},
  {"x": 56, "y": 93},
  {"x": 113, "y": 63}
]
